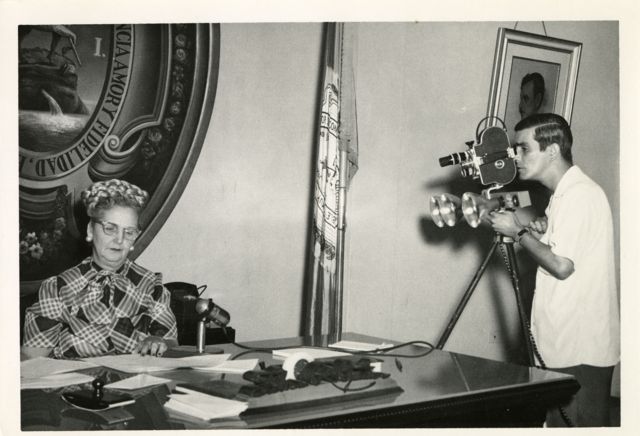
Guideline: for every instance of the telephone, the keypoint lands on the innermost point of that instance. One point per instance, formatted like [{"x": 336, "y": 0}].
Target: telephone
[
  {"x": 182, "y": 291},
  {"x": 96, "y": 399}
]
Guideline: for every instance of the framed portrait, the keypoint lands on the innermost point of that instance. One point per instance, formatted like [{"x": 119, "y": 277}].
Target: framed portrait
[{"x": 532, "y": 74}]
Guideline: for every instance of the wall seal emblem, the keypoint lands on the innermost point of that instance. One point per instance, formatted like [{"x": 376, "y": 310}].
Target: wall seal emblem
[{"x": 129, "y": 101}]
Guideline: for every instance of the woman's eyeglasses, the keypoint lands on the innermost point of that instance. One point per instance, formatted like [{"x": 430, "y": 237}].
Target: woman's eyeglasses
[{"x": 112, "y": 229}]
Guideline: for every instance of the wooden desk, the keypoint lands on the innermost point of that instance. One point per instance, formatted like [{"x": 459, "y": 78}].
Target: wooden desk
[{"x": 442, "y": 389}]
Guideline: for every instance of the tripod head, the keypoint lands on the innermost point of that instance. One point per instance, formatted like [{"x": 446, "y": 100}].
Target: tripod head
[{"x": 502, "y": 239}]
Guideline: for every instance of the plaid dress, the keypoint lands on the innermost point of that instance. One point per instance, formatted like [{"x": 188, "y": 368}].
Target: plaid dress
[{"x": 89, "y": 311}]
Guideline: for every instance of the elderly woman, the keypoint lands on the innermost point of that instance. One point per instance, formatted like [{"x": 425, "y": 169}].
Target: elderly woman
[{"x": 106, "y": 304}]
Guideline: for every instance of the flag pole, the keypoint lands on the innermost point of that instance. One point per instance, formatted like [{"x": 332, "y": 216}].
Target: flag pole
[
  {"x": 340, "y": 243},
  {"x": 347, "y": 144},
  {"x": 336, "y": 164},
  {"x": 335, "y": 327}
]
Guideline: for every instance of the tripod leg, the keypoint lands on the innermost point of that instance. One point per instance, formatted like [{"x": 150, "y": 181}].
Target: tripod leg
[
  {"x": 512, "y": 266},
  {"x": 466, "y": 296}
]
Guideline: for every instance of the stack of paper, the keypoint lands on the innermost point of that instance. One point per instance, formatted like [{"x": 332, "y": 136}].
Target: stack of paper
[
  {"x": 239, "y": 366},
  {"x": 203, "y": 406},
  {"x": 44, "y": 373},
  {"x": 44, "y": 366},
  {"x": 55, "y": 381},
  {"x": 312, "y": 353},
  {"x": 136, "y": 363},
  {"x": 360, "y": 346},
  {"x": 138, "y": 382}
]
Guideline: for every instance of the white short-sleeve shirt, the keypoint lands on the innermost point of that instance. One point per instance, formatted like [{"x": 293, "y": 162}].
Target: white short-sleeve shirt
[{"x": 576, "y": 321}]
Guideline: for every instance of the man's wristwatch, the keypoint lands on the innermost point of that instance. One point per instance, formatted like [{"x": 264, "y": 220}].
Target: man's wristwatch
[{"x": 521, "y": 233}]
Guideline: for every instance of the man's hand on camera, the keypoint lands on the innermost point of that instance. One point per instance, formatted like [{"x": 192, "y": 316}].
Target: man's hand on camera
[
  {"x": 505, "y": 222},
  {"x": 538, "y": 227}
]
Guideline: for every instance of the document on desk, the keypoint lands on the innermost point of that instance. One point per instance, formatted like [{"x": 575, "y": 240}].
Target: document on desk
[
  {"x": 360, "y": 346},
  {"x": 44, "y": 366},
  {"x": 136, "y": 363},
  {"x": 314, "y": 353},
  {"x": 239, "y": 366},
  {"x": 203, "y": 406},
  {"x": 137, "y": 382},
  {"x": 55, "y": 381}
]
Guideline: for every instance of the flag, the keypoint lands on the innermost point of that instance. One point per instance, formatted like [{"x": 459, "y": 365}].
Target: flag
[{"x": 336, "y": 163}]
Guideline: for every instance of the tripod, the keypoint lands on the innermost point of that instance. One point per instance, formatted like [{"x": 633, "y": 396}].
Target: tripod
[{"x": 506, "y": 245}]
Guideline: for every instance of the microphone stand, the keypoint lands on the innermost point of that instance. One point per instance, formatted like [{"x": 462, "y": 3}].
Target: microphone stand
[
  {"x": 506, "y": 245},
  {"x": 200, "y": 339}
]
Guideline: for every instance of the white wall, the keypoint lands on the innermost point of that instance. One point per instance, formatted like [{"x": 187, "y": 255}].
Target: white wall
[{"x": 241, "y": 224}]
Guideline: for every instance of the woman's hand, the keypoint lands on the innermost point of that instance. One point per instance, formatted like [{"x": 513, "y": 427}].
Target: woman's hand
[{"x": 152, "y": 345}]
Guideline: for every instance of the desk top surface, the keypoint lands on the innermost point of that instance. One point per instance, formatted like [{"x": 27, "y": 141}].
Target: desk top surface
[{"x": 438, "y": 377}]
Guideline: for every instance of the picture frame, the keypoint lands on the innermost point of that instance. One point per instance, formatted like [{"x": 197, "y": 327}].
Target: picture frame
[{"x": 518, "y": 54}]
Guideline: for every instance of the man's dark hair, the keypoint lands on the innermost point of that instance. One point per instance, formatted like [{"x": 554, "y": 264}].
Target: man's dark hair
[
  {"x": 550, "y": 129},
  {"x": 538, "y": 83}
]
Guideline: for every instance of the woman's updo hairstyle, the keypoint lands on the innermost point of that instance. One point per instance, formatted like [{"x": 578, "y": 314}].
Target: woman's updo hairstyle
[{"x": 104, "y": 195}]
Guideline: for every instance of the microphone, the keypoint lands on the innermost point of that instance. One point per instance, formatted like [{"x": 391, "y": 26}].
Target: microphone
[{"x": 212, "y": 312}]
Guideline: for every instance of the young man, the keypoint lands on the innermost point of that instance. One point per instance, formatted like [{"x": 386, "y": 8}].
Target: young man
[{"x": 575, "y": 315}]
